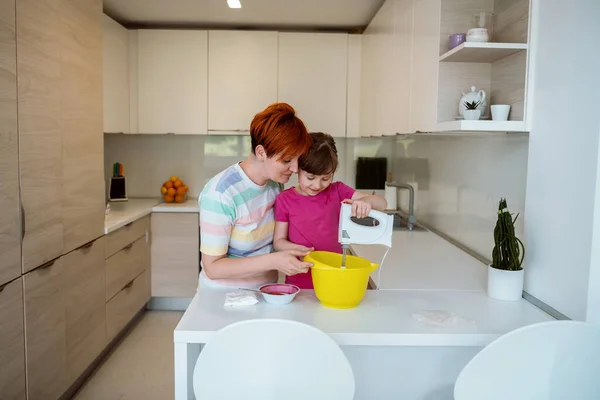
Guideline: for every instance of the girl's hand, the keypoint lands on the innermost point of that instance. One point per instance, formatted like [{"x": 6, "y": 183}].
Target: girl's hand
[
  {"x": 360, "y": 208},
  {"x": 287, "y": 262}
]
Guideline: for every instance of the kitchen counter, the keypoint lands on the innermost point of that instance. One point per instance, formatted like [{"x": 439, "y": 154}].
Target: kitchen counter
[
  {"x": 421, "y": 260},
  {"x": 122, "y": 213}
]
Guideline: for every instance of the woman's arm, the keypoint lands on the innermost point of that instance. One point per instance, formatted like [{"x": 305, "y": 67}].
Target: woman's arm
[
  {"x": 221, "y": 267},
  {"x": 281, "y": 241}
]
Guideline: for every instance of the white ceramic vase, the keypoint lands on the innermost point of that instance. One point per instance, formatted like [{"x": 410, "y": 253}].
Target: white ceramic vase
[
  {"x": 505, "y": 285},
  {"x": 472, "y": 115}
]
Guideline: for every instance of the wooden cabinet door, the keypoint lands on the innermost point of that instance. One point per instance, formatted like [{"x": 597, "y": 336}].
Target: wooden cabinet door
[
  {"x": 40, "y": 148},
  {"x": 242, "y": 78},
  {"x": 116, "y": 76},
  {"x": 172, "y": 75},
  {"x": 174, "y": 254},
  {"x": 45, "y": 331},
  {"x": 313, "y": 79},
  {"x": 12, "y": 341},
  {"x": 85, "y": 307},
  {"x": 10, "y": 223},
  {"x": 83, "y": 191}
]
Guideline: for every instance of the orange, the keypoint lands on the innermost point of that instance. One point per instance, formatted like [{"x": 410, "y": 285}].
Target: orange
[
  {"x": 174, "y": 178},
  {"x": 186, "y": 188},
  {"x": 163, "y": 190},
  {"x": 179, "y": 198},
  {"x": 168, "y": 199},
  {"x": 171, "y": 191},
  {"x": 168, "y": 184},
  {"x": 177, "y": 183},
  {"x": 181, "y": 190}
]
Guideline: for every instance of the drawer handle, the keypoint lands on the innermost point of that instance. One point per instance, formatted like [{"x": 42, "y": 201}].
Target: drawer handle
[
  {"x": 87, "y": 246},
  {"x": 128, "y": 225},
  {"x": 128, "y": 247},
  {"x": 130, "y": 284},
  {"x": 22, "y": 222},
  {"x": 47, "y": 265},
  {"x": 2, "y": 287}
]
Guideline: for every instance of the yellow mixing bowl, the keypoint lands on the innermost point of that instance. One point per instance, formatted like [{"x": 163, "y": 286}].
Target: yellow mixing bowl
[{"x": 337, "y": 287}]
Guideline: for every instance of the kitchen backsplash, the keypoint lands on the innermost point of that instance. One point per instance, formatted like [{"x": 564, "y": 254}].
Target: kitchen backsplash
[{"x": 458, "y": 180}]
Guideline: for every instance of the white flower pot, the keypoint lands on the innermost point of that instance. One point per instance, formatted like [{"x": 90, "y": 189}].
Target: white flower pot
[
  {"x": 472, "y": 115},
  {"x": 505, "y": 285}
]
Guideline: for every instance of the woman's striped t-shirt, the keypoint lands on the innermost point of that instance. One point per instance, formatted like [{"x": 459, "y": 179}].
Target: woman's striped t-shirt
[{"x": 236, "y": 215}]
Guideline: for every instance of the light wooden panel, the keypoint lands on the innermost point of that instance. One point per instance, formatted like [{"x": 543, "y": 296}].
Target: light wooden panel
[
  {"x": 12, "y": 342},
  {"x": 508, "y": 84},
  {"x": 456, "y": 78},
  {"x": 81, "y": 112},
  {"x": 128, "y": 234},
  {"x": 40, "y": 139},
  {"x": 123, "y": 307},
  {"x": 10, "y": 229},
  {"x": 45, "y": 332},
  {"x": 511, "y": 21},
  {"x": 116, "y": 76},
  {"x": 482, "y": 52},
  {"x": 85, "y": 307},
  {"x": 457, "y": 16},
  {"x": 174, "y": 254},
  {"x": 125, "y": 265}
]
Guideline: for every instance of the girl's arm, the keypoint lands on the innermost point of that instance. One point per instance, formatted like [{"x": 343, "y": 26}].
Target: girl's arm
[
  {"x": 221, "y": 267},
  {"x": 377, "y": 202},
  {"x": 280, "y": 239}
]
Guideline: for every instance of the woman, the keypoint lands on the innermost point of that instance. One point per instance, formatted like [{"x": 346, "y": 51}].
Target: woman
[{"x": 236, "y": 206}]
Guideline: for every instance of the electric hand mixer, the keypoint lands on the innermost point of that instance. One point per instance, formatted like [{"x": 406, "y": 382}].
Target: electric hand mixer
[{"x": 374, "y": 229}]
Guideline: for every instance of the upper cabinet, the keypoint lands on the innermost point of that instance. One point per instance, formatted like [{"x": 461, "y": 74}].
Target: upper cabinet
[
  {"x": 242, "y": 78},
  {"x": 313, "y": 79},
  {"x": 116, "y": 76},
  {"x": 171, "y": 81}
]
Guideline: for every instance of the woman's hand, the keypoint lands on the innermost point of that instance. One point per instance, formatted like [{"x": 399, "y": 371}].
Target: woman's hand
[
  {"x": 287, "y": 261},
  {"x": 360, "y": 208}
]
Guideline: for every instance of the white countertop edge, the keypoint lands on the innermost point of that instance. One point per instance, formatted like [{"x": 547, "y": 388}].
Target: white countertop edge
[
  {"x": 131, "y": 218},
  {"x": 374, "y": 339},
  {"x": 165, "y": 208}
]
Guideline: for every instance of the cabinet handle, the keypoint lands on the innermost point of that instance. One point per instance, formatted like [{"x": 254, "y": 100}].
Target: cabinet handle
[
  {"x": 22, "y": 222},
  {"x": 87, "y": 245},
  {"x": 47, "y": 265},
  {"x": 130, "y": 284},
  {"x": 128, "y": 225},
  {"x": 2, "y": 287},
  {"x": 128, "y": 247}
]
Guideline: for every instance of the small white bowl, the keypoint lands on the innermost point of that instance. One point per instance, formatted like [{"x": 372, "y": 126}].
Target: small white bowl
[{"x": 279, "y": 293}]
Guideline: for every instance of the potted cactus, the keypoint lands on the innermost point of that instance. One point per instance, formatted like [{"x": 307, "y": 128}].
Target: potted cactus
[
  {"x": 505, "y": 274},
  {"x": 471, "y": 112}
]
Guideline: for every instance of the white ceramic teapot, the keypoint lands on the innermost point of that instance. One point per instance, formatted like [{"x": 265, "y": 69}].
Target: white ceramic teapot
[{"x": 473, "y": 95}]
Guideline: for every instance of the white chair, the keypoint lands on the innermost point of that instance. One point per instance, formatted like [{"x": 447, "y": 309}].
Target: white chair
[
  {"x": 558, "y": 360},
  {"x": 272, "y": 359}
]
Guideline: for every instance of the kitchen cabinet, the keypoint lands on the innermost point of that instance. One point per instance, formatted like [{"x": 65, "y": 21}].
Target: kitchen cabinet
[
  {"x": 242, "y": 78},
  {"x": 10, "y": 224},
  {"x": 39, "y": 119},
  {"x": 45, "y": 331},
  {"x": 116, "y": 76},
  {"x": 12, "y": 341},
  {"x": 128, "y": 234},
  {"x": 121, "y": 309},
  {"x": 171, "y": 81},
  {"x": 84, "y": 286},
  {"x": 82, "y": 190},
  {"x": 353, "y": 90},
  {"x": 313, "y": 79},
  {"x": 175, "y": 254},
  {"x": 125, "y": 265}
]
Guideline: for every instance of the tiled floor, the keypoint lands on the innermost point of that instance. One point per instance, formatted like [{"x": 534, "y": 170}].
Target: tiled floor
[{"x": 141, "y": 367}]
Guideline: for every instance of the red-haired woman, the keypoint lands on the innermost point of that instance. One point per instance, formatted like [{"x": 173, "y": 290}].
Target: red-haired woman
[{"x": 236, "y": 206}]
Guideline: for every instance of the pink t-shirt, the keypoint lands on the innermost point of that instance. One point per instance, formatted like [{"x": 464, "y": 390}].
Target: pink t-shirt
[{"x": 313, "y": 221}]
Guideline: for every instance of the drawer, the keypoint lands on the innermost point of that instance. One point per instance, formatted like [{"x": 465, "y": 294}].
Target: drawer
[
  {"x": 12, "y": 341},
  {"x": 123, "y": 307},
  {"x": 125, "y": 265},
  {"x": 128, "y": 234}
]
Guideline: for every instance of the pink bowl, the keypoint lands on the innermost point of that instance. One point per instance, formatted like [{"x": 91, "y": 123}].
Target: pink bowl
[{"x": 279, "y": 293}]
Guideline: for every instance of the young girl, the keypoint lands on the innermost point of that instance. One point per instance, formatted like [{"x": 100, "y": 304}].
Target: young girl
[{"x": 307, "y": 216}]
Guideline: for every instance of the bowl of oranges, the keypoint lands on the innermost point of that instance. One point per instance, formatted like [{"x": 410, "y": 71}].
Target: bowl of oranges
[{"x": 174, "y": 190}]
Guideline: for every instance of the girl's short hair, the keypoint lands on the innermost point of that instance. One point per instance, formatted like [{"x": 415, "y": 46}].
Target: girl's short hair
[
  {"x": 279, "y": 131},
  {"x": 322, "y": 157}
]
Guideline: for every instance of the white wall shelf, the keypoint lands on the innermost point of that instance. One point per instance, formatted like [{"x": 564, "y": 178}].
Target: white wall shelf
[
  {"x": 481, "y": 125},
  {"x": 471, "y": 52}
]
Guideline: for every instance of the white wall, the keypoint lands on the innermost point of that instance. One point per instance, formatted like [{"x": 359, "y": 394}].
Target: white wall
[
  {"x": 593, "y": 300},
  {"x": 563, "y": 152}
]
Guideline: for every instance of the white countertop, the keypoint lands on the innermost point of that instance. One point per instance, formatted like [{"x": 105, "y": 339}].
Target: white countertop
[
  {"x": 384, "y": 318},
  {"x": 421, "y": 260},
  {"x": 122, "y": 213}
]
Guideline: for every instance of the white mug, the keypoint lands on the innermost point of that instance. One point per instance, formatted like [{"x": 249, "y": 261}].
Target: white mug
[{"x": 500, "y": 112}]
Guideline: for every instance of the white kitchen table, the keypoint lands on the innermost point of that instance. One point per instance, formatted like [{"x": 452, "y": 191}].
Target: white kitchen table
[{"x": 393, "y": 355}]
